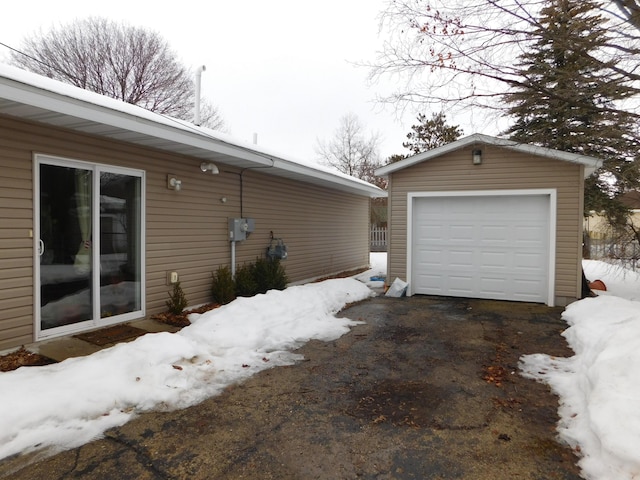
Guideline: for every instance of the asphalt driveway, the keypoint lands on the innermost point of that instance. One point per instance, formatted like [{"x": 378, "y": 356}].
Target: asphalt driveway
[{"x": 428, "y": 388}]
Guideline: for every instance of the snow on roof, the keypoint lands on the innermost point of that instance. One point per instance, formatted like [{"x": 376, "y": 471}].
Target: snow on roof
[
  {"x": 590, "y": 163},
  {"x": 33, "y": 97}
]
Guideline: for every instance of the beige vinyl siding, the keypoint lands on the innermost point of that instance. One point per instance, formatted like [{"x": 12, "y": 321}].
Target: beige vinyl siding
[
  {"x": 501, "y": 169},
  {"x": 16, "y": 247},
  {"x": 325, "y": 230}
]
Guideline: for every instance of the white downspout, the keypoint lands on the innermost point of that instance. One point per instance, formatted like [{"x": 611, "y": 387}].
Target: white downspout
[
  {"x": 233, "y": 259},
  {"x": 196, "y": 109}
]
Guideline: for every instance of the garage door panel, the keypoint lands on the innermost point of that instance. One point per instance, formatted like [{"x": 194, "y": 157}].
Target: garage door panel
[
  {"x": 528, "y": 291},
  {"x": 459, "y": 258},
  {"x": 481, "y": 246},
  {"x": 491, "y": 287},
  {"x": 434, "y": 232},
  {"x": 461, "y": 285},
  {"x": 430, "y": 256},
  {"x": 461, "y": 233},
  {"x": 490, "y": 260},
  {"x": 530, "y": 261},
  {"x": 431, "y": 284},
  {"x": 494, "y": 233}
]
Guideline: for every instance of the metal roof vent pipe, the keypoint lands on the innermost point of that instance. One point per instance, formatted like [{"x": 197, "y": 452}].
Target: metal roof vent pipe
[{"x": 196, "y": 107}]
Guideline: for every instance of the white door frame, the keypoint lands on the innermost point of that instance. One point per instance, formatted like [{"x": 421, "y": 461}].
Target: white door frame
[
  {"x": 551, "y": 193},
  {"x": 96, "y": 321}
]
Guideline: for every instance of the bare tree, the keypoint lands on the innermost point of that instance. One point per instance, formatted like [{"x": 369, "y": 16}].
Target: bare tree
[
  {"x": 117, "y": 60},
  {"x": 630, "y": 10},
  {"x": 209, "y": 116},
  {"x": 350, "y": 151},
  {"x": 463, "y": 53}
]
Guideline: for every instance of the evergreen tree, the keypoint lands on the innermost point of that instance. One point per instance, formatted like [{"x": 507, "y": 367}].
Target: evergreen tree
[
  {"x": 432, "y": 133},
  {"x": 396, "y": 157},
  {"x": 568, "y": 101}
]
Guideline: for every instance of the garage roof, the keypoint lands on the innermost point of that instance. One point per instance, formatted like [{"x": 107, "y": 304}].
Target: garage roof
[
  {"x": 33, "y": 97},
  {"x": 477, "y": 139}
]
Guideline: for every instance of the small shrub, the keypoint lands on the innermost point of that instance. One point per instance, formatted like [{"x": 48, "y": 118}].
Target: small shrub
[
  {"x": 269, "y": 275},
  {"x": 177, "y": 300},
  {"x": 224, "y": 287},
  {"x": 246, "y": 285}
]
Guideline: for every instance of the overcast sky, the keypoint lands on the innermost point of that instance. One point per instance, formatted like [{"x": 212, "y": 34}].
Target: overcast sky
[{"x": 283, "y": 69}]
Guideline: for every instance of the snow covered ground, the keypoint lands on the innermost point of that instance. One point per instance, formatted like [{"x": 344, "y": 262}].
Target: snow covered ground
[
  {"x": 65, "y": 405},
  {"x": 599, "y": 387},
  {"x": 68, "y": 404}
]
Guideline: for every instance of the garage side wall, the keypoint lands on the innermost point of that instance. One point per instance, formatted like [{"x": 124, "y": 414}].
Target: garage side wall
[
  {"x": 501, "y": 169},
  {"x": 326, "y": 231}
]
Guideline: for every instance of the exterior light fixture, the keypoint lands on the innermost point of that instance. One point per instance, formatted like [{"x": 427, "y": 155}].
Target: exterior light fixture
[
  {"x": 209, "y": 167},
  {"x": 173, "y": 183},
  {"x": 477, "y": 157}
]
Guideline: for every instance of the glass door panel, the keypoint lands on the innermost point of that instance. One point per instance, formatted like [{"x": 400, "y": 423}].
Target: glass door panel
[
  {"x": 65, "y": 245},
  {"x": 90, "y": 244},
  {"x": 120, "y": 244}
]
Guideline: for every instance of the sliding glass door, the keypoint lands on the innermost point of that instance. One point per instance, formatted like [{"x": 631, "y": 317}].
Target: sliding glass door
[{"x": 90, "y": 245}]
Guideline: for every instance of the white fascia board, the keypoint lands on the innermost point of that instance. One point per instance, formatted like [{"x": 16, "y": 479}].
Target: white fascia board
[{"x": 336, "y": 178}]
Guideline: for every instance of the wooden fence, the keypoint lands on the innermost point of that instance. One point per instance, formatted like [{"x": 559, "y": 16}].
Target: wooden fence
[
  {"x": 378, "y": 239},
  {"x": 626, "y": 254}
]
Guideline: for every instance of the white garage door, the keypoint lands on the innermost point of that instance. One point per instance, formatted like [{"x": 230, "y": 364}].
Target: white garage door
[{"x": 484, "y": 246}]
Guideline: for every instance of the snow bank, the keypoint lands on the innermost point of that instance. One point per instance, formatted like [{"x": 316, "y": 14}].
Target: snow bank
[
  {"x": 599, "y": 387},
  {"x": 65, "y": 405}
]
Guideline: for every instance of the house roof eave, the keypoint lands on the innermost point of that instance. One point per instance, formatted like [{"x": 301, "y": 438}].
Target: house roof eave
[
  {"x": 39, "y": 99},
  {"x": 478, "y": 139}
]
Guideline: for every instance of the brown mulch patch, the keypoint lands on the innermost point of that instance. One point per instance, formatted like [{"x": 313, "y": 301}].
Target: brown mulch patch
[
  {"x": 181, "y": 320},
  {"x": 114, "y": 334},
  {"x": 23, "y": 358}
]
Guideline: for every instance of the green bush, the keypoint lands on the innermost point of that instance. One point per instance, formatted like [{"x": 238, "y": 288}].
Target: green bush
[
  {"x": 177, "y": 300},
  {"x": 250, "y": 279},
  {"x": 224, "y": 287},
  {"x": 246, "y": 285},
  {"x": 269, "y": 275}
]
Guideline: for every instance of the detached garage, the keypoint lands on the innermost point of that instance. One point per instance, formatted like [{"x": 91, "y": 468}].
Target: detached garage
[{"x": 485, "y": 217}]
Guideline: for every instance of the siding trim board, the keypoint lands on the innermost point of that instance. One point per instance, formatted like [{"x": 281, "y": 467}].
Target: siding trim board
[{"x": 551, "y": 194}]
